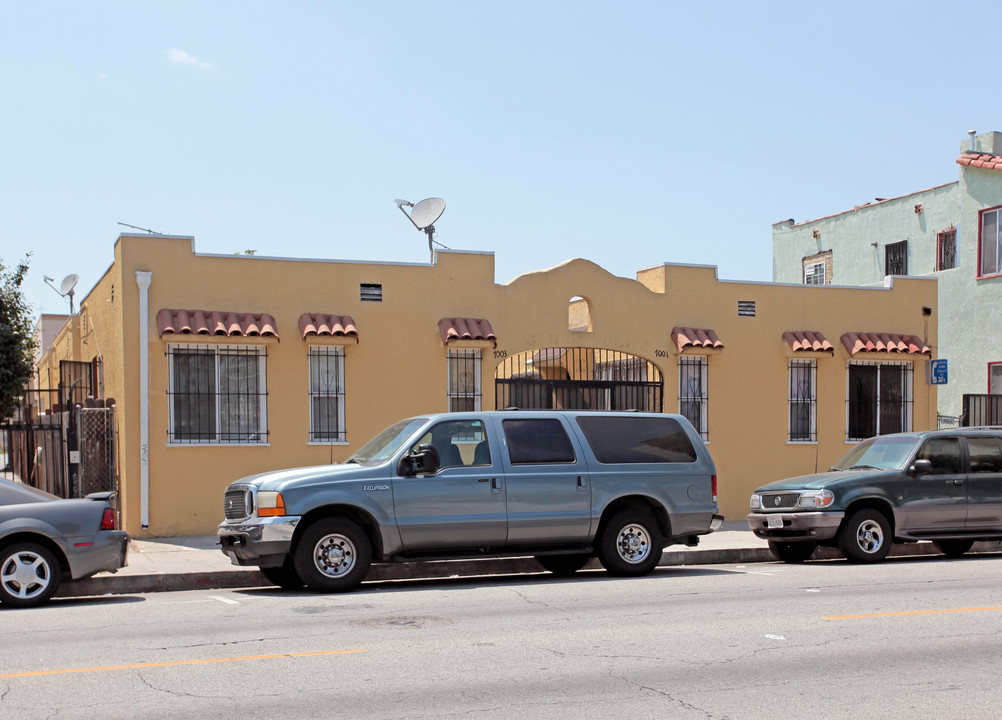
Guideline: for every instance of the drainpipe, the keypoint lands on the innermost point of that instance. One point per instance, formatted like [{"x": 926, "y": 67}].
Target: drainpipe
[{"x": 143, "y": 279}]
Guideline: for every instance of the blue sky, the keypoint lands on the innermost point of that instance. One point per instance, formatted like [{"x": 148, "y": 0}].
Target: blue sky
[{"x": 628, "y": 133}]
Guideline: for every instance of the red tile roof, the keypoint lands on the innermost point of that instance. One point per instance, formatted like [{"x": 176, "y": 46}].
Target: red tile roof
[
  {"x": 466, "y": 329},
  {"x": 330, "y": 325},
  {"x": 684, "y": 337},
  {"x": 808, "y": 341},
  {"x": 981, "y": 160},
  {"x": 857, "y": 342},
  {"x": 215, "y": 322}
]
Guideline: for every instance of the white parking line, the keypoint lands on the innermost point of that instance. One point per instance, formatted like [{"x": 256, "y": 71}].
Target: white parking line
[
  {"x": 222, "y": 599},
  {"x": 740, "y": 569}
]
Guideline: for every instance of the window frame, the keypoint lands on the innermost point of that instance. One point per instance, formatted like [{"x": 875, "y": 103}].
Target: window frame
[
  {"x": 991, "y": 366},
  {"x": 701, "y": 399},
  {"x": 907, "y": 396},
  {"x": 810, "y": 402},
  {"x": 255, "y": 437},
  {"x": 457, "y": 358},
  {"x": 340, "y": 432},
  {"x": 950, "y": 234},
  {"x": 891, "y": 251},
  {"x": 808, "y": 273},
  {"x": 997, "y": 212}
]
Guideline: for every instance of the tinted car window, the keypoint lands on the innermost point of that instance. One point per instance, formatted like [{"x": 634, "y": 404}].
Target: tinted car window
[
  {"x": 637, "y": 439},
  {"x": 943, "y": 453},
  {"x": 537, "y": 441},
  {"x": 458, "y": 442},
  {"x": 986, "y": 455}
]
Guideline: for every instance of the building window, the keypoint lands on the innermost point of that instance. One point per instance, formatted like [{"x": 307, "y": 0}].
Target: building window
[
  {"x": 878, "y": 399},
  {"x": 692, "y": 397},
  {"x": 814, "y": 274},
  {"x": 995, "y": 378},
  {"x": 803, "y": 401},
  {"x": 464, "y": 380},
  {"x": 896, "y": 258},
  {"x": 946, "y": 249},
  {"x": 990, "y": 243},
  {"x": 217, "y": 394},
  {"x": 327, "y": 394}
]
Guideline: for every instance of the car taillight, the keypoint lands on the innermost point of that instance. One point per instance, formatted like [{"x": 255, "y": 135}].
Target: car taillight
[
  {"x": 714, "y": 484},
  {"x": 108, "y": 519}
]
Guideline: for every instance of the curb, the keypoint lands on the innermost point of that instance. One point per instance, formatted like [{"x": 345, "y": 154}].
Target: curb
[{"x": 250, "y": 577}]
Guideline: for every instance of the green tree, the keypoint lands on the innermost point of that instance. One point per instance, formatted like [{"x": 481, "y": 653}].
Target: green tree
[{"x": 17, "y": 339}]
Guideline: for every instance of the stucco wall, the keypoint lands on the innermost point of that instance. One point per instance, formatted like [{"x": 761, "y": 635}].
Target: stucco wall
[{"x": 398, "y": 366}]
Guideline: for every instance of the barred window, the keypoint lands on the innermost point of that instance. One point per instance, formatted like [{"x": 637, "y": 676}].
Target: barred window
[
  {"x": 464, "y": 380},
  {"x": 803, "y": 401},
  {"x": 879, "y": 399},
  {"x": 946, "y": 249},
  {"x": 217, "y": 394},
  {"x": 692, "y": 397},
  {"x": 327, "y": 394}
]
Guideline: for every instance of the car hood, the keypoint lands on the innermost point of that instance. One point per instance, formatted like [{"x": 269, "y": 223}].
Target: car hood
[
  {"x": 281, "y": 479},
  {"x": 816, "y": 481}
]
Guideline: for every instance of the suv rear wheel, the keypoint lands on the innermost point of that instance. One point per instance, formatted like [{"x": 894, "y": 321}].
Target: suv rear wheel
[
  {"x": 865, "y": 537},
  {"x": 333, "y": 555},
  {"x": 631, "y": 543}
]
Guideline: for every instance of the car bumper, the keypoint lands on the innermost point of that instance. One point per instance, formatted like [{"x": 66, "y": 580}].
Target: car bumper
[
  {"x": 796, "y": 525},
  {"x": 263, "y": 542},
  {"x": 108, "y": 551}
]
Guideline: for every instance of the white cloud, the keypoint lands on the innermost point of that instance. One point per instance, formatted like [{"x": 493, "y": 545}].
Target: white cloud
[{"x": 182, "y": 58}]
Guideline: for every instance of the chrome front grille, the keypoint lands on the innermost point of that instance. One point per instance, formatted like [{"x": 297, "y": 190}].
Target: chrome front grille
[
  {"x": 779, "y": 501},
  {"x": 238, "y": 504}
]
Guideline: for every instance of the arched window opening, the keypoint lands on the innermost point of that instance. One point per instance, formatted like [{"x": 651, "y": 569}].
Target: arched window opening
[{"x": 579, "y": 315}]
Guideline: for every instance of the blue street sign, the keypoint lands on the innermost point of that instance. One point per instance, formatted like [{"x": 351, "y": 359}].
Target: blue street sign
[{"x": 937, "y": 373}]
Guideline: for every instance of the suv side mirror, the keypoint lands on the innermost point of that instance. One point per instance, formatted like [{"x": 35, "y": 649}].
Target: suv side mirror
[
  {"x": 920, "y": 467},
  {"x": 423, "y": 461}
]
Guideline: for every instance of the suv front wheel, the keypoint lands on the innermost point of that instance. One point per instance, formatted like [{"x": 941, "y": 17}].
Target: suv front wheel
[
  {"x": 333, "y": 555},
  {"x": 631, "y": 543},
  {"x": 865, "y": 537}
]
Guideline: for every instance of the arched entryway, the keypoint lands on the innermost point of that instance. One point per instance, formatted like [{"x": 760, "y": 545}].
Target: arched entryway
[{"x": 576, "y": 378}]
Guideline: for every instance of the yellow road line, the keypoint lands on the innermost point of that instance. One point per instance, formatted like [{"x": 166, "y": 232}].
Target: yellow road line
[
  {"x": 177, "y": 662},
  {"x": 911, "y": 612}
]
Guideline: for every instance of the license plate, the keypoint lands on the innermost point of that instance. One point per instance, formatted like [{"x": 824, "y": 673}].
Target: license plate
[{"x": 774, "y": 521}]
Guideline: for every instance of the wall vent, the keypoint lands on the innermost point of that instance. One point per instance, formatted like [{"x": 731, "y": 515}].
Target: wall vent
[
  {"x": 371, "y": 292},
  {"x": 746, "y": 308}
]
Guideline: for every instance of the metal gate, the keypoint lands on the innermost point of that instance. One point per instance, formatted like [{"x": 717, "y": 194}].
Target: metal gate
[
  {"x": 95, "y": 429},
  {"x": 578, "y": 379}
]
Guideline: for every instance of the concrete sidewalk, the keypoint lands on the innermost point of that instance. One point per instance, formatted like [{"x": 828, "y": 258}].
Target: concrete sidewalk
[{"x": 196, "y": 563}]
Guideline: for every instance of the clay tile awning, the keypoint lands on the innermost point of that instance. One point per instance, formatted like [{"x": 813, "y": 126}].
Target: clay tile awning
[
  {"x": 857, "y": 342},
  {"x": 808, "y": 341},
  {"x": 981, "y": 160},
  {"x": 215, "y": 322},
  {"x": 466, "y": 329},
  {"x": 321, "y": 325},
  {"x": 684, "y": 337}
]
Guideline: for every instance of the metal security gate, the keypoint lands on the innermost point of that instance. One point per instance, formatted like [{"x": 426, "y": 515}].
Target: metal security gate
[
  {"x": 578, "y": 379},
  {"x": 35, "y": 448},
  {"x": 981, "y": 410},
  {"x": 95, "y": 429}
]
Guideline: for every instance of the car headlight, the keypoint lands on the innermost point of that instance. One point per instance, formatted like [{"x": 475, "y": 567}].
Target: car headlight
[
  {"x": 815, "y": 499},
  {"x": 756, "y": 501},
  {"x": 270, "y": 504}
]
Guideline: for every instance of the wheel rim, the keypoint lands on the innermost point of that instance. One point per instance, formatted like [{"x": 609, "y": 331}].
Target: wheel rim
[
  {"x": 633, "y": 543},
  {"x": 870, "y": 536},
  {"x": 25, "y": 575},
  {"x": 334, "y": 555}
]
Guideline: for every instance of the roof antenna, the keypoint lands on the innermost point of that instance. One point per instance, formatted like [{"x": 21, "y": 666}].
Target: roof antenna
[
  {"x": 423, "y": 217},
  {"x": 151, "y": 232}
]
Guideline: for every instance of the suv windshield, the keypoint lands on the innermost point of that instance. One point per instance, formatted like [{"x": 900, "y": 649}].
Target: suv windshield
[
  {"x": 880, "y": 453},
  {"x": 382, "y": 447}
]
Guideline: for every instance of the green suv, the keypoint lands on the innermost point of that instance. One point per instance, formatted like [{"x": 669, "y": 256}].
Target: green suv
[{"x": 939, "y": 485}]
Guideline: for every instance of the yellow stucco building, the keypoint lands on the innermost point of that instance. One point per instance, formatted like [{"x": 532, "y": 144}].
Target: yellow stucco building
[{"x": 222, "y": 366}]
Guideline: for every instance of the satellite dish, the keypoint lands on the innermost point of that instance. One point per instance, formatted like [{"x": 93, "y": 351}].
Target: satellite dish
[
  {"x": 426, "y": 212},
  {"x": 69, "y": 282}
]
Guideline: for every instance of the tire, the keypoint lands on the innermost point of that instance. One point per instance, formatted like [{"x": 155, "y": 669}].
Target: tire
[
  {"x": 792, "y": 552},
  {"x": 865, "y": 537},
  {"x": 285, "y": 576},
  {"x": 953, "y": 548},
  {"x": 563, "y": 564},
  {"x": 333, "y": 555},
  {"x": 631, "y": 544},
  {"x": 29, "y": 575}
]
